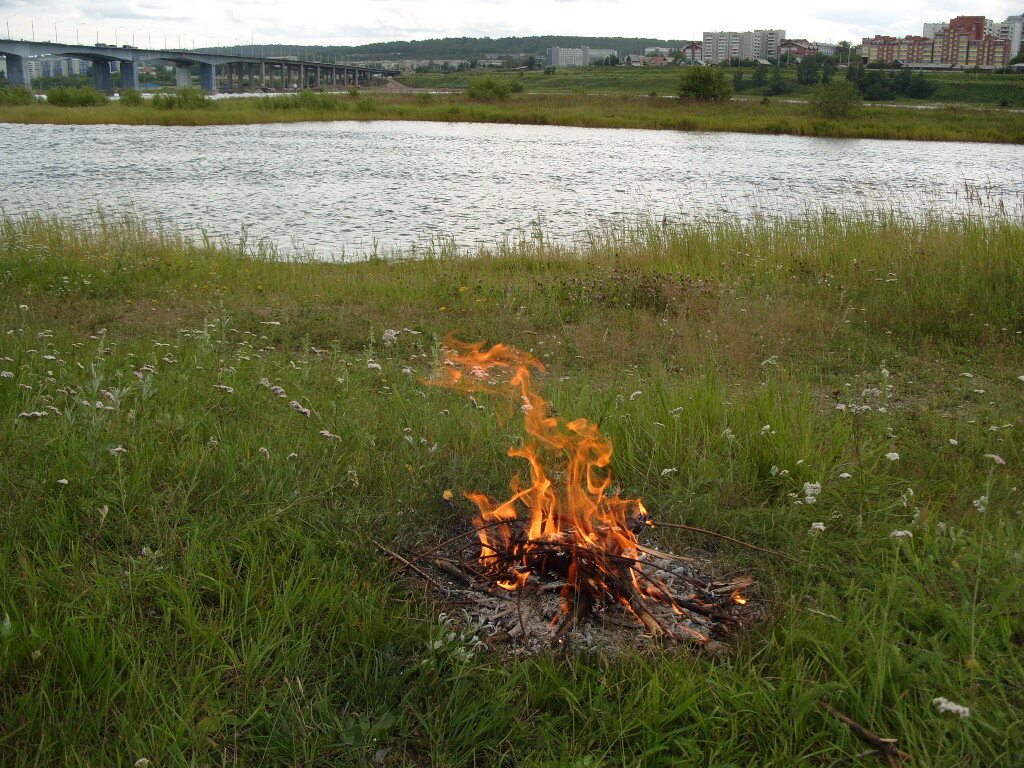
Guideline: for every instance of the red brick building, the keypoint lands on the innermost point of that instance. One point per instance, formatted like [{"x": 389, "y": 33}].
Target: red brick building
[{"x": 962, "y": 45}]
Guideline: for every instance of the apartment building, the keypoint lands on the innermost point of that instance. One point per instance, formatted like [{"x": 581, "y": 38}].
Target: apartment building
[
  {"x": 759, "y": 44},
  {"x": 961, "y": 43},
  {"x": 578, "y": 57}
]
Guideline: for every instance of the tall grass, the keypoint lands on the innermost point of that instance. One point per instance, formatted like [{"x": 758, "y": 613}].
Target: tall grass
[
  {"x": 76, "y": 97},
  {"x": 944, "y": 124},
  {"x": 203, "y": 588}
]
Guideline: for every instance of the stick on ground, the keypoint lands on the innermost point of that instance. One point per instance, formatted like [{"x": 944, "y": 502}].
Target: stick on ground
[
  {"x": 737, "y": 541},
  {"x": 881, "y": 746},
  {"x": 406, "y": 563}
]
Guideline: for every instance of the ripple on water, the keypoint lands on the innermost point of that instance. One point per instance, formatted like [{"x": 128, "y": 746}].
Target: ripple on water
[{"x": 345, "y": 186}]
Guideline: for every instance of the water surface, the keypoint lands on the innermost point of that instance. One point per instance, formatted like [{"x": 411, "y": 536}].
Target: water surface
[{"x": 344, "y": 188}]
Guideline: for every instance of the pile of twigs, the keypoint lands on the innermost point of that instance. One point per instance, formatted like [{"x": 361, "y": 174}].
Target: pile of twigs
[{"x": 660, "y": 592}]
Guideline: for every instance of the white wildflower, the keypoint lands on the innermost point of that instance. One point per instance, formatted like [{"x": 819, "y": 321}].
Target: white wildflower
[
  {"x": 142, "y": 762},
  {"x": 299, "y": 407},
  {"x": 953, "y": 441},
  {"x": 407, "y": 370},
  {"x": 774, "y": 471},
  {"x": 636, "y": 394},
  {"x": 6, "y": 374},
  {"x": 265, "y": 452},
  {"x": 728, "y": 434},
  {"x": 32, "y": 415},
  {"x": 901, "y": 535},
  {"x": 942, "y": 704},
  {"x": 980, "y": 503},
  {"x": 766, "y": 428},
  {"x": 845, "y": 475},
  {"x": 23, "y": 307},
  {"x": 328, "y": 435},
  {"x": 373, "y": 366},
  {"x": 996, "y": 459},
  {"x": 817, "y": 528},
  {"x": 389, "y": 337},
  {"x": 293, "y": 455},
  {"x": 479, "y": 373},
  {"x": 893, "y": 456},
  {"x": 811, "y": 491},
  {"x": 117, "y": 449},
  {"x": 669, "y": 471},
  {"x": 225, "y": 387},
  {"x": 62, "y": 481},
  {"x": 270, "y": 322}
]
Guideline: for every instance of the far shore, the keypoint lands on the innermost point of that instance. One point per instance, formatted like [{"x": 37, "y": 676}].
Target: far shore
[{"x": 788, "y": 117}]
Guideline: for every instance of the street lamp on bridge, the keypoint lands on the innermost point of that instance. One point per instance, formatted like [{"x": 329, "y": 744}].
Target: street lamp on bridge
[{"x": 32, "y": 26}]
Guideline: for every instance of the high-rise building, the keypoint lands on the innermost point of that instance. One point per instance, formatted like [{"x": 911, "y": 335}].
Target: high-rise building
[
  {"x": 759, "y": 44},
  {"x": 1013, "y": 30},
  {"x": 932, "y": 29}
]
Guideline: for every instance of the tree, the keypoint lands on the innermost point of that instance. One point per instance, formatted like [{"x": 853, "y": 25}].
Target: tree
[
  {"x": 760, "y": 75},
  {"x": 836, "y": 99},
  {"x": 704, "y": 84},
  {"x": 737, "y": 80},
  {"x": 807, "y": 70},
  {"x": 777, "y": 86}
]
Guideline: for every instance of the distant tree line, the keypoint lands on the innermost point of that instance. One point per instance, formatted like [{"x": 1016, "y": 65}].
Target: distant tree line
[{"x": 469, "y": 48}]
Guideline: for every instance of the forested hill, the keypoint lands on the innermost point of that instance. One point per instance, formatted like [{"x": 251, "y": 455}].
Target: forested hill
[{"x": 451, "y": 47}]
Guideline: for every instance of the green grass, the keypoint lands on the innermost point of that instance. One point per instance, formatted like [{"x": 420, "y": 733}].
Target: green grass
[
  {"x": 203, "y": 599},
  {"x": 956, "y": 87},
  {"x": 945, "y": 124}
]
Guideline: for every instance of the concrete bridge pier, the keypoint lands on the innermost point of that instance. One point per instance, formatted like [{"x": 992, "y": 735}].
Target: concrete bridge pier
[
  {"x": 207, "y": 77},
  {"x": 129, "y": 75},
  {"x": 17, "y": 71},
  {"x": 182, "y": 76},
  {"x": 101, "y": 76}
]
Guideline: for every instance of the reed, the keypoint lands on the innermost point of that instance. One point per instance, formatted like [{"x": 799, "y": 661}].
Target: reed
[{"x": 187, "y": 568}]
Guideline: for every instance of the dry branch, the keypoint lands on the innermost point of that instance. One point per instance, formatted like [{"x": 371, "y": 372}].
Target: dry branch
[
  {"x": 879, "y": 745},
  {"x": 737, "y": 541}
]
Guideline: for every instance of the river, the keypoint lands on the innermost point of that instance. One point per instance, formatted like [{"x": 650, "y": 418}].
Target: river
[{"x": 343, "y": 189}]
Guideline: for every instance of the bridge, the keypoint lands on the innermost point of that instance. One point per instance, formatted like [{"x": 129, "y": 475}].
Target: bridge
[{"x": 240, "y": 72}]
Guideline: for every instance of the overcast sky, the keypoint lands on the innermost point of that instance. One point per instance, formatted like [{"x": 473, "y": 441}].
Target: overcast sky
[{"x": 351, "y": 22}]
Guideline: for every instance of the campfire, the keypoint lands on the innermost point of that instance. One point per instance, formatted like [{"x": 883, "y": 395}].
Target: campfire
[{"x": 564, "y": 543}]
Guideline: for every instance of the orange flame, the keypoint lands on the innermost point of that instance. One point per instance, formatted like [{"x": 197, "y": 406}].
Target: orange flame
[{"x": 566, "y": 501}]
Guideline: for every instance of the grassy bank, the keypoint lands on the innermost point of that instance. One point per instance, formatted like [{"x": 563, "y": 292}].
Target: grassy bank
[
  {"x": 947, "y": 124},
  {"x": 982, "y": 89},
  {"x": 186, "y": 566}
]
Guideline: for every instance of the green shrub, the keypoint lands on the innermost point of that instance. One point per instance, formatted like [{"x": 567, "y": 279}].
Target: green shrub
[
  {"x": 183, "y": 98},
  {"x": 489, "y": 88},
  {"x": 75, "y": 97},
  {"x": 11, "y": 96},
  {"x": 131, "y": 98},
  {"x": 704, "y": 84},
  {"x": 835, "y": 99}
]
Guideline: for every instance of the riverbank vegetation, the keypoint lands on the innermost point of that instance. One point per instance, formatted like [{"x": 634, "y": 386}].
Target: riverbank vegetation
[
  {"x": 777, "y": 117},
  {"x": 201, "y": 443},
  {"x": 979, "y": 88}
]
